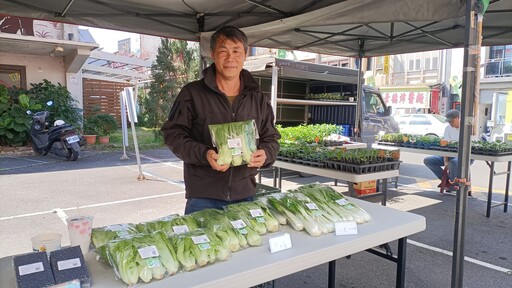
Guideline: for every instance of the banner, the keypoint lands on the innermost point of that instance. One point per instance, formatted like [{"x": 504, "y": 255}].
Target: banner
[{"x": 411, "y": 99}]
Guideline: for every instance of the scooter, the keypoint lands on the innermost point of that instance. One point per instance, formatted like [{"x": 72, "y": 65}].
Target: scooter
[{"x": 66, "y": 141}]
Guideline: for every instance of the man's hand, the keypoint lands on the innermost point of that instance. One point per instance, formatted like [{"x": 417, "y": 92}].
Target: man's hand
[
  {"x": 212, "y": 157},
  {"x": 258, "y": 158}
]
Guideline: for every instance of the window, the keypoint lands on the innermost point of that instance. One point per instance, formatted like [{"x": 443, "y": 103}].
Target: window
[
  {"x": 373, "y": 104},
  {"x": 414, "y": 60},
  {"x": 430, "y": 60},
  {"x": 13, "y": 75},
  {"x": 379, "y": 62},
  {"x": 420, "y": 120}
]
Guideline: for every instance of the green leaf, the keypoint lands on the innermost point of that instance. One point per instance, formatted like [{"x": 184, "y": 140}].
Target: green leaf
[{"x": 24, "y": 101}]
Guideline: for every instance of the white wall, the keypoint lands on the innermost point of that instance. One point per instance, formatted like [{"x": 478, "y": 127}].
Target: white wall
[{"x": 53, "y": 69}]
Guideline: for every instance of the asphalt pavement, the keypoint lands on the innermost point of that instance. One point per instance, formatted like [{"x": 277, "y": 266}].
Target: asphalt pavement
[{"x": 38, "y": 193}]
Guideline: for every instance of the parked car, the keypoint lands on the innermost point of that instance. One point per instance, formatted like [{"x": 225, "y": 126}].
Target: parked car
[{"x": 422, "y": 124}]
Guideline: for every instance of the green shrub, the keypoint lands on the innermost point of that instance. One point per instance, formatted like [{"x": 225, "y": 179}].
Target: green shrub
[
  {"x": 14, "y": 119},
  {"x": 103, "y": 124}
]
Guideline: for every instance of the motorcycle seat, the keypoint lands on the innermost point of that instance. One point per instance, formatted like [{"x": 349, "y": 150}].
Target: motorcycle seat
[{"x": 60, "y": 128}]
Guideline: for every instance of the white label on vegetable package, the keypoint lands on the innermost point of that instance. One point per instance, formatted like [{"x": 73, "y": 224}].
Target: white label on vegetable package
[
  {"x": 149, "y": 251},
  {"x": 345, "y": 228},
  {"x": 31, "y": 268},
  {"x": 235, "y": 143},
  {"x": 312, "y": 206},
  {"x": 180, "y": 229},
  {"x": 342, "y": 201},
  {"x": 256, "y": 212},
  {"x": 280, "y": 243},
  {"x": 69, "y": 264},
  {"x": 238, "y": 224},
  {"x": 200, "y": 239}
]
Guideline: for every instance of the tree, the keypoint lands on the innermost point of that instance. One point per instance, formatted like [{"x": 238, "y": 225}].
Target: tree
[{"x": 176, "y": 64}]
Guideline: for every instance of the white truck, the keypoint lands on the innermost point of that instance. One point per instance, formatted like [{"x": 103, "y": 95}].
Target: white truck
[{"x": 303, "y": 92}]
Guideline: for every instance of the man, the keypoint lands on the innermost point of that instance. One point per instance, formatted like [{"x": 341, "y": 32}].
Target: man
[
  {"x": 435, "y": 163},
  {"x": 226, "y": 93}
]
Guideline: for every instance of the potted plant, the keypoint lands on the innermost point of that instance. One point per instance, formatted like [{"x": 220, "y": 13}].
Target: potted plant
[
  {"x": 105, "y": 124},
  {"x": 89, "y": 132}
]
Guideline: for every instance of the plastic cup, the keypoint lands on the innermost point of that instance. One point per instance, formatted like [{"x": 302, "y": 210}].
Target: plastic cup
[
  {"x": 46, "y": 242},
  {"x": 79, "y": 228}
]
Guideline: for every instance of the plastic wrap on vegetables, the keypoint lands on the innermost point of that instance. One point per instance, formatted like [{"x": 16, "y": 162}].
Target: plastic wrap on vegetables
[
  {"x": 156, "y": 225},
  {"x": 258, "y": 214},
  {"x": 100, "y": 236},
  {"x": 336, "y": 202},
  {"x": 235, "y": 142},
  {"x": 301, "y": 213},
  {"x": 198, "y": 248},
  {"x": 142, "y": 257},
  {"x": 217, "y": 221},
  {"x": 246, "y": 233}
]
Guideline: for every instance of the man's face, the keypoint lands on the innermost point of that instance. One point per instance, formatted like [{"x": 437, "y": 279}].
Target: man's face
[
  {"x": 229, "y": 58},
  {"x": 455, "y": 122}
]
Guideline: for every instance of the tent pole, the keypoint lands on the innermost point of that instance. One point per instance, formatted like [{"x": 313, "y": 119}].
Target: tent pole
[
  {"x": 359, "y": 108},
  {"x": 273, "y": 95},
  {"x": 471, "y": 53},
  {"x": 200, "y": 25}
]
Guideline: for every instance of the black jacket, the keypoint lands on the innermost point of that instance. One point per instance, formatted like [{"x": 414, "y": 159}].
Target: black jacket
[{"x": 201, "y": 103}]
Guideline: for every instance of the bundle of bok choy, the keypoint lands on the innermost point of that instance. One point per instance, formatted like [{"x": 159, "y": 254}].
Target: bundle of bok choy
[
  {"x": 142, "y": 257},
  {"x": 235, "y": 142},
  {"x": 334, "y": 203}
]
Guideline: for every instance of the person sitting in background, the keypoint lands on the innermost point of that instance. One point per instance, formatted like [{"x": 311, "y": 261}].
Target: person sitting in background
[{"x": 435, "y": 163}]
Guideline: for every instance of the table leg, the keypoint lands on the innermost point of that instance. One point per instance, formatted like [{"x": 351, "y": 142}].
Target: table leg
[
  {"x": 505, "y": 206},
  {"x": 279, "y": 178},
  {"x": 332, "y": 274},
  {"x": 400, "y": 268},
  {"x": 489, "y": 193},
  {"x": 351, "y": 191},
  {"x": 384, "y": 191},
  {"x": 274, "y": 176}
]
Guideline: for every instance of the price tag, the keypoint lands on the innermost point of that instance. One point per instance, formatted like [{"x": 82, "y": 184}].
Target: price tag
[
  {"x": 238, "y": 224},
  {"x": 149, "y": 251},
  {"x": 345, "y": 228},
  {"x": 280, "y": 243},
  {"x": 312, "y": 206},
  {"x": 69, "y": 264},
  {"x": 342, "y": 201},
  {"x": 235, "y": 143},
  {"x": 256, "y": 212},
  {"x": 31, "y": 268},
  {"x": 200, "y": 239},
  {"x": 180, "y": 229}
]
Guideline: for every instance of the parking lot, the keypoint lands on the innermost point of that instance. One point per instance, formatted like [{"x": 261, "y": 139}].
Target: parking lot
[{"x": 38, "y": 193}]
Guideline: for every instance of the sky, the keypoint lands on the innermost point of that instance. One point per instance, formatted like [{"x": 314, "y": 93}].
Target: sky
[{"x": 107, "y": 39}]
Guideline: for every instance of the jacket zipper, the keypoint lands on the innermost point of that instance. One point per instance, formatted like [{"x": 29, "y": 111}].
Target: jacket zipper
[{"x": 230, "y": 182}]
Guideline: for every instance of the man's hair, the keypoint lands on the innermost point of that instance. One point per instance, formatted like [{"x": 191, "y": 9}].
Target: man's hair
[{"x": 229, "y": 32}]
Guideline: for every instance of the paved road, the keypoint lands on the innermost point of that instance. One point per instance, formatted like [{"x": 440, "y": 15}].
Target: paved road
[{"x": 38, "y": 192}]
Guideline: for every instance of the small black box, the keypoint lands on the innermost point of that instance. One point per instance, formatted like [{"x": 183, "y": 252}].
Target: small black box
[
  {"x": 69, "y": 264},
  {"x": 33, "y": 270}
]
